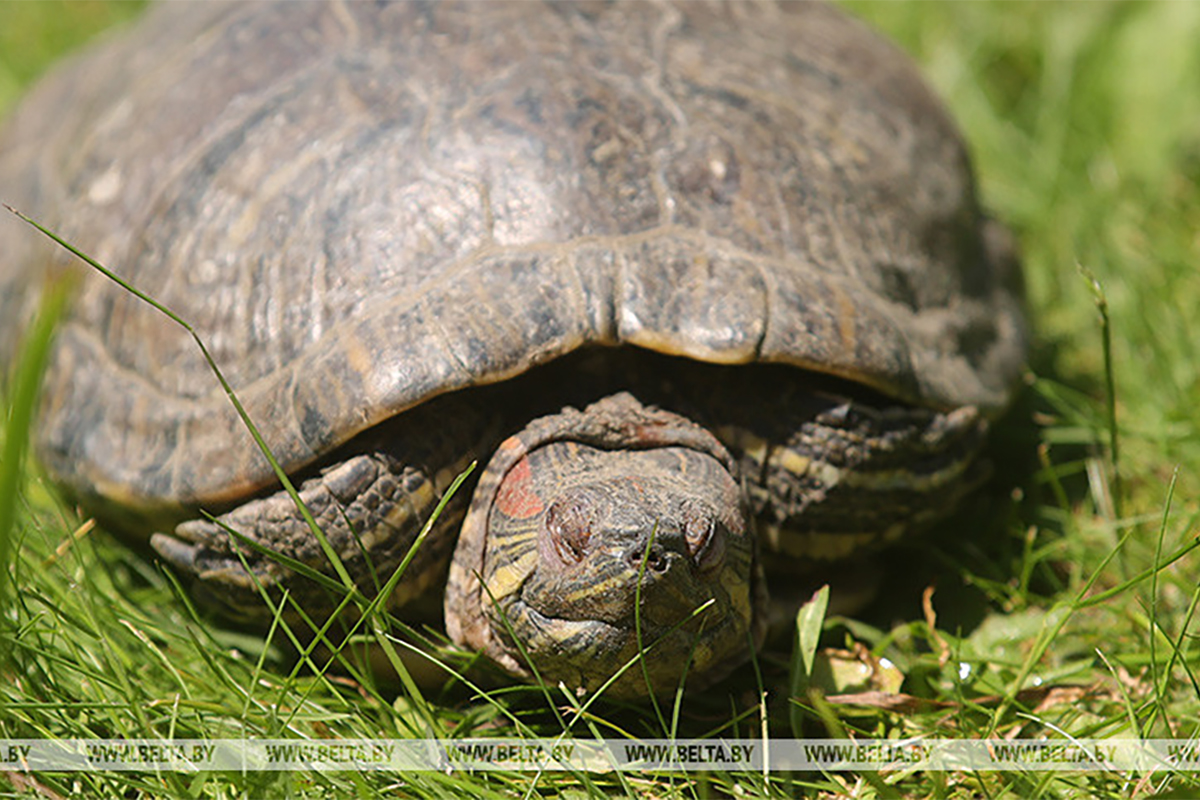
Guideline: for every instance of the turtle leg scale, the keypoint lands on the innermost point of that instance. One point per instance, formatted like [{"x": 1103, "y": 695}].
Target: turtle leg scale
[{"x": 370, "y": 508}]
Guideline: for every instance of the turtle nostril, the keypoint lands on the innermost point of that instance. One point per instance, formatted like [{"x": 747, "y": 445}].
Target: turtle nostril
[{"x": 655, "y": 556}]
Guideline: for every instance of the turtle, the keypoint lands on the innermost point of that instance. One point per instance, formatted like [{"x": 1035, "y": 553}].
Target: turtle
[{"x": 705, "y": 290}]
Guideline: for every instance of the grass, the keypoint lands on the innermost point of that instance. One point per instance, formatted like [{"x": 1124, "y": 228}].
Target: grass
[{"x": 1074, "y": 614}]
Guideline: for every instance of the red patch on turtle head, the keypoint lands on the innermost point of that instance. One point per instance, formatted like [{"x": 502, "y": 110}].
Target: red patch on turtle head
[{"x": 516, "y": 497}]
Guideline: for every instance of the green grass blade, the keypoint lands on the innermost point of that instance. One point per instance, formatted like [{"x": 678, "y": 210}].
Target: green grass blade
[
  {"x": 810, "y": 621},
  {"x": 22, "y": 402}
]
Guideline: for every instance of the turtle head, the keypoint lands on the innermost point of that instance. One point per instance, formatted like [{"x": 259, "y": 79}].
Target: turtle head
[{"x": 601, "y": 537}]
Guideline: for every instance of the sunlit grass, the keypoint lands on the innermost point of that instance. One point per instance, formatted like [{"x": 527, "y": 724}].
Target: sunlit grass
[{"x": 1076, "y": 614}]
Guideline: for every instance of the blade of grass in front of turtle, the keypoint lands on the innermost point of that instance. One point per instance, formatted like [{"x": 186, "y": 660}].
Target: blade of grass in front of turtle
[
  {"x": 1155, "y": 623},
  {"x": 26, "y": 381},
  {"x": 637, "y": 627},
  {"x": 681, "y": 685},
  {"x": 668, "y": 731}
]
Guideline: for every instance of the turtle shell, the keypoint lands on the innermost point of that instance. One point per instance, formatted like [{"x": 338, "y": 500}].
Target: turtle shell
[{"x": 360, "y": 207}]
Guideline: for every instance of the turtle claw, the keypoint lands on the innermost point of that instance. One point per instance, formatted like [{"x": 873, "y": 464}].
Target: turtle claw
[
  {"x": 220, "y": 580},
  {"x": 198, "y": 531},
  {"x": 176, "y": 552},
  {"x": 203, "y": 562}
]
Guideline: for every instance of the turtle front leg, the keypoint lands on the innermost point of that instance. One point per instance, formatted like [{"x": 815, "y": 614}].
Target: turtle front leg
[{"x": 371, "y": 508}]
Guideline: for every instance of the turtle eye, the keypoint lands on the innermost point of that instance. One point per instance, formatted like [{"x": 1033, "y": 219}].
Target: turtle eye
[
  {"x": 569, "y": 523},
  {"x": 705, "y": 541}
]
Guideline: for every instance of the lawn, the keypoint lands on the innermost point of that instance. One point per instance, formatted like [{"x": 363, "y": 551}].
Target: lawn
[{"x": 1059, "y": 603}]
